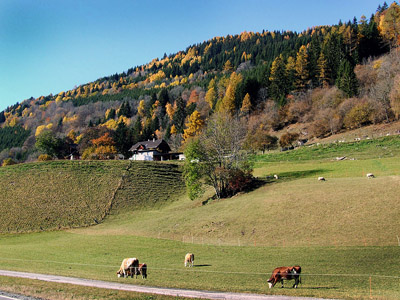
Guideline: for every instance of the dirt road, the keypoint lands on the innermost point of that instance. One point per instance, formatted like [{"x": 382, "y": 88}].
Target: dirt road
[{"x": 147, "y": 289}]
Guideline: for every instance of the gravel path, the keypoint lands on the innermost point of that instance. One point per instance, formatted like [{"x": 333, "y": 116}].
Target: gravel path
[{"x": 146, "y": 289}]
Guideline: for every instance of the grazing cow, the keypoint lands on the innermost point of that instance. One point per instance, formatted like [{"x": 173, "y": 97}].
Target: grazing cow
[
  {"x": 276, "y": 176},
  {"x": 285, "y": 273},
  {"x": 140, "y": 270},
  {"x": 128, "y": 265},
  {"x": 370, "y": 175},
  {"x": 321, "y": 178},
  {"x": 189, "y": 259}
]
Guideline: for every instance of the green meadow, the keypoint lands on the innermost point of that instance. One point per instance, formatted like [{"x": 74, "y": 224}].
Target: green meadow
[{"x": 343, "y": 232}]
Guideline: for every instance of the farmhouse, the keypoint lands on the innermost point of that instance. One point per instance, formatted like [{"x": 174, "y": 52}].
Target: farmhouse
[{"x": 156, "y": 150}]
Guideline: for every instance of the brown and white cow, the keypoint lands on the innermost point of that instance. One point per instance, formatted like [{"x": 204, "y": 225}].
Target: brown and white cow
[
  {"x": 140, "y": 270},
  {"x": 189, "y": 259},
  {"x": 128, "y": 265},
  {"x": 285, "y": 273}
]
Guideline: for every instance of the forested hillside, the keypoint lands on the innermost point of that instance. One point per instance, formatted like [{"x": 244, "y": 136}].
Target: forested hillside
[{"x": 329, "y": 78}]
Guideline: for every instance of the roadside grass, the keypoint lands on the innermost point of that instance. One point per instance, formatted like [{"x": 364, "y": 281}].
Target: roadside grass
[
  {"x": 59, "y": 291},
  {"x": 329, "y": 272}
]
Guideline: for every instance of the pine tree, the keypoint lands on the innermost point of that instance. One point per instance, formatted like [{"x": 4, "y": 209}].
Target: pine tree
[
  {"x": 347, "y": 80},
  {"x": 277, "y": 78}
]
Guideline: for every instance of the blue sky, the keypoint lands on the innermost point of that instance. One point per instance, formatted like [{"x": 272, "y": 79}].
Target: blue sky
[{"x": 49, "y": 46}]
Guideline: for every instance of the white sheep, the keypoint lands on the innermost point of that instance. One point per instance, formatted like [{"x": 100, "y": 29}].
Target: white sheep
[
  {"x": 276, "y": 176},
  {"x": 370, "y": 175},
  {"x": 321, "y": 178}
]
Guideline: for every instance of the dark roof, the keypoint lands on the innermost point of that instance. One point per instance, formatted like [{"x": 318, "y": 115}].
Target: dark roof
[{"x": 152, "y": 145}]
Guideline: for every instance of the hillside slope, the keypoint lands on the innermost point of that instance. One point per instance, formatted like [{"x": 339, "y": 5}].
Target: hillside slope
[
  {"x": 298, "y": 210},
  {"x": 69, "y": 194}
]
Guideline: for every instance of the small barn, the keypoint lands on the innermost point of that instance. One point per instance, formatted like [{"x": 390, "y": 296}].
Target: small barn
[{"x": 153, "y": 150}]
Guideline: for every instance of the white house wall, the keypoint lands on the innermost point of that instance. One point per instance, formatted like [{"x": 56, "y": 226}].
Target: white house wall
[{"x": 143, "y": 156}]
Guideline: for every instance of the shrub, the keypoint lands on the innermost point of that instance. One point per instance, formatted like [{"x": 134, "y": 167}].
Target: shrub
[
  {"x": 8, "y": 162},
  {"x": 357, "y": 116},
  {"x": 45, "y": 157},
  {"x": 287, "y": 139}
]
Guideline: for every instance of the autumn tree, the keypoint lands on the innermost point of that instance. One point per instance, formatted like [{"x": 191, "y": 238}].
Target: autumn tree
[
  {"x": 395, "y": 97},
  {"x": 246, "y": 105},
  {"x": 141, "y": 108},
  {"x": 219, "y": 152},
  {"x": 260, "y": 140},
  {"x": 287, "y": 139},
  {"x": 211, "y": 95},
  {"x": 290, "y": 74},
  {"x": 103, "y": 148},
  {"x": 193, "y": 126},
  {"x": 228, "y": 103},
  {"x": 323, "y": 71},
  {"x": 389, "y": 24},
  {"x": 301, "y": 67}
]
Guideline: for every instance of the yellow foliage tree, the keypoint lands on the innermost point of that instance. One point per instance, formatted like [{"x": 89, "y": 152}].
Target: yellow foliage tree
[
  {"x": 111, "y": 124},
  {"x": 141, "y": 108},
  {"x": 173, "y": 129},
  {"x": 72, "y": 135},
  {"x": 104, "y": 146},
  {"x": 228, "y": 102},
  {"x": 41, "y": 128},
  {"x": 389, "y": 24},
  {"x": 211, "y": 95},
  {"x": 246, "y": 105},
  {"x": 193, "y": 126},
  {"x": 302, "y": 68},
  {"x": 170, "y": 110}
]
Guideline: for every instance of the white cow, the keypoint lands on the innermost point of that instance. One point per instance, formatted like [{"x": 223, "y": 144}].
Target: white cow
[{"x": 128, "y": 265}]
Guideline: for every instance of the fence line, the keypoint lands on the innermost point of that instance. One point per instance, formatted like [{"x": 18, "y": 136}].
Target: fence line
[{"x": 201, "y": 271}]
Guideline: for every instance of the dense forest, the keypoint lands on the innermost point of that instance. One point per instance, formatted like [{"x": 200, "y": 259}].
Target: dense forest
[{"x": 329, "y": 78}]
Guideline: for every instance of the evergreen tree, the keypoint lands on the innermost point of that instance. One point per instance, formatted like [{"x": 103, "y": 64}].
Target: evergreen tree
[
  {"x": 347, "y": 80},
  {"x": 180, "y": 115},
  {"x": 277, "y": 78},
  {"x": 137, "y": 131},
  {"x": 2, "y": 117},
  {"x": 123, "y": 139}
]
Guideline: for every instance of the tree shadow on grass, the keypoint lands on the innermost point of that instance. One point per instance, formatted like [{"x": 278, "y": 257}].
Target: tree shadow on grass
[
  {"x": 285, "y": 176},
  {"x": 289, "y": 176}
]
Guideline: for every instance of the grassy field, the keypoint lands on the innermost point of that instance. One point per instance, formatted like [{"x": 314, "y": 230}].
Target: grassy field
[
  {"x": 343, "y": 232},
  {"x": 339, "y": 272}
]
